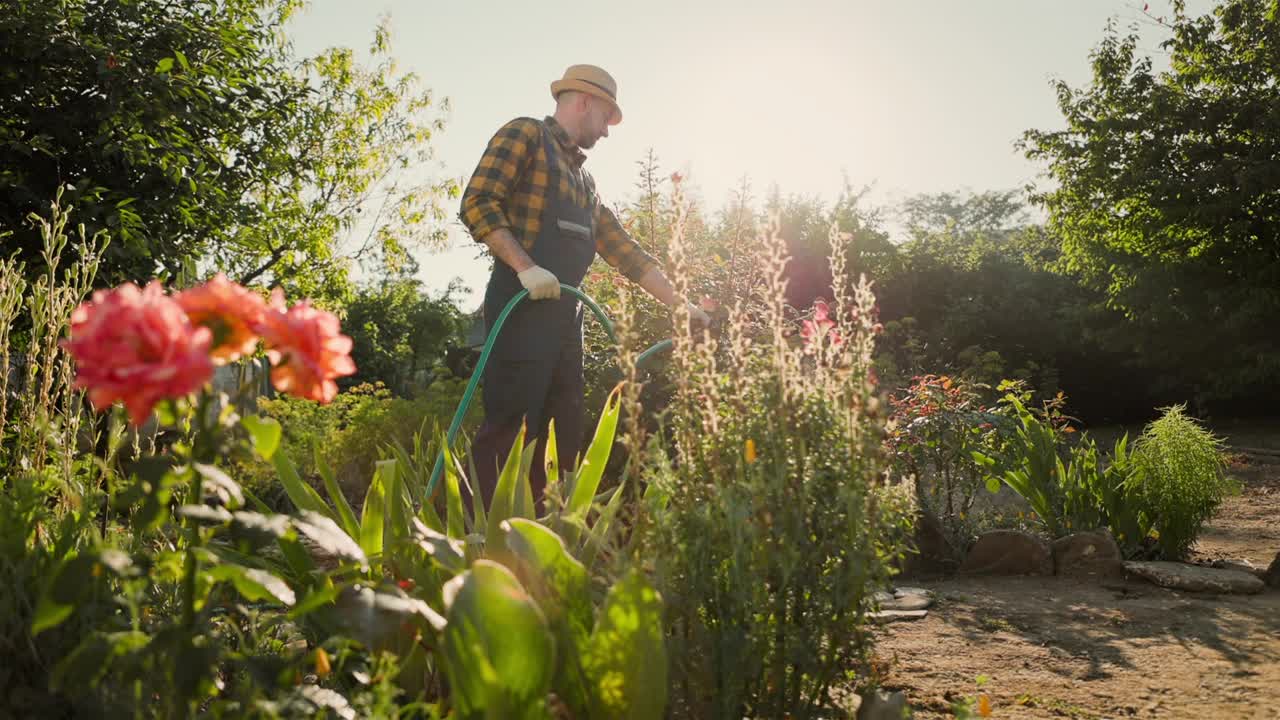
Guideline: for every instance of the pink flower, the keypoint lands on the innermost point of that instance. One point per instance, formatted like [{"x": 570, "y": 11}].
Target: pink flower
[
  {"x": 231, "y": 313},
  {"x": 305, "y": 348},
  {"x": 821, "y": 326},
  {"x": 137, "y": 346}
]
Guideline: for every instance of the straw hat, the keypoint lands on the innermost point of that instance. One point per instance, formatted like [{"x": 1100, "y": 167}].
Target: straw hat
[{"x": 593, "y": 81}]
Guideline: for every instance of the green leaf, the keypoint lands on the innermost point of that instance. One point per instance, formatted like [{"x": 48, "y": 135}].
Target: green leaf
[
  {"x": 626, "y": 657},
  {"x": 218, "y": 484},
  {"x": 264, "y": 433},
  {"x": 993, "y": 484},
  {"x": 303, "y": 496},
  {"x": 165, "y": 65},
  {"x": 326, "y": 534},
  {"x": 503, "y": 504},
  {"x": 597, "y": 457},
  {"x": 377, "y": 619},
  {"x": 373, "y": 514},
  {"x": 254, "y": 584},
  {"x": 72, "y": 580},
  {"x": 449, "y": 552},
  {"x": 457, "y": 517},
  {"x": 562, "y": 589},
  {"x": 314, "y": 600},
  {"x": 497, "y": 650},
  {"x": 345, "y": 514},
  {"x": 182, "y": 60}
]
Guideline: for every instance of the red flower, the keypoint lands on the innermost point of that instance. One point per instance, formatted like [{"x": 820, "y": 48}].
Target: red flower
[
  {"x": 137, "y": 346},
  {"x": 305, "y": 348},
  {"x": 231, "y": 313}
]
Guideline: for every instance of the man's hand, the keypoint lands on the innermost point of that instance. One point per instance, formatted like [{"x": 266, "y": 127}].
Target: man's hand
[
  {"x": 699, "y": 316},
  {"x": 540, "y": 283}
]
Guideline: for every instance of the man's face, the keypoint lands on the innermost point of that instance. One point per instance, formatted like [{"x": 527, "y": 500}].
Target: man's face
[{"x": 595, "y": 122}]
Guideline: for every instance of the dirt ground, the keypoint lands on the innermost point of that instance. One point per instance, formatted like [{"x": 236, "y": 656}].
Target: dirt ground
[{"x": 1056, "y": 648}]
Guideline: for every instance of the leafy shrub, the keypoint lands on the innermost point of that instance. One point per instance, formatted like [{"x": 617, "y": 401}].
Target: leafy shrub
[
  {"x": 351, "y": 434},
  {"x": 770, "y": 528},
  {"x": 1181, "y": 478},
  {"x": 938, "y": 422}
]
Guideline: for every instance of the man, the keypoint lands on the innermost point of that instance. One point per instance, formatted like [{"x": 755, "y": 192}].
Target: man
[{"x": 535, "y": 207}]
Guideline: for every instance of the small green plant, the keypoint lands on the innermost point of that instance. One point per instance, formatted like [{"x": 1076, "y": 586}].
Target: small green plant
[
  {"x": 1181, "y": 479},
  {"x": 1029, "y": 460}
]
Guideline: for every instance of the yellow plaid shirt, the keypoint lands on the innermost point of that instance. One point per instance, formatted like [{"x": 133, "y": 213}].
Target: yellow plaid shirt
[{"x": 511, "y": 185}]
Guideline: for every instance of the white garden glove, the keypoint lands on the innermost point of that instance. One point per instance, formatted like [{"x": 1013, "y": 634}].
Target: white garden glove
[
  {"x": 699, "y": 316},
  {"x": 540, "y": 283}
]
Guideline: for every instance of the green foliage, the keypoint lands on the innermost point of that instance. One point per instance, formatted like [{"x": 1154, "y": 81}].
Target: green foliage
[
  {"x": 1181, "y": 479},
  {"x": 399, "y": 335},
  {"x": 515, "y": 595},
  {"x": 202, "y": 139},
  {"x": 1164, "y": 195},
  {"x": 1154, "y": 497},
  {"x": 346, "y": 437},
  {"x": 1029, "y": 461}
]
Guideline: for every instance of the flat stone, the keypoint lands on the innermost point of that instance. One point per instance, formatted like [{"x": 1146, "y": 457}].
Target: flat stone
[
  {"x": 1008, "y": 552},
  {"x": 1195, "y": 578},
  {"x": 909, "y": 599},
  {"x": 895, "y": 615},
  {"x": 1092, "y": 554},
  {"x": 1272, "y": 576},
  {"x": 882, "y": 705},
  {"x": 1241, "y": 565}
]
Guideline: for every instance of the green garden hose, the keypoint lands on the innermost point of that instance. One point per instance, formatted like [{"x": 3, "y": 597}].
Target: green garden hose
[{"x": 484, "y": 358}]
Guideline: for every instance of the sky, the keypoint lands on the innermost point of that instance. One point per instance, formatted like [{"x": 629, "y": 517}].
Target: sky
[{"x": 906, "y": 97}]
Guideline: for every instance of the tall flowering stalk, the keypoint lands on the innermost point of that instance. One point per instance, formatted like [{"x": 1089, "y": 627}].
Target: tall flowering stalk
[{"x": 773, "y": 526}]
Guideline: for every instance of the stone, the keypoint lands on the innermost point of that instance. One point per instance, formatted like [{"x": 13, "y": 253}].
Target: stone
[
  {"x": 1008, "y": 552},
  {"x": 881, "y": 705},
  {"x": 1092, "y": 554},
  {"x": 1272, "y": 576},
  {"x": 1195, "y": 578},
  {"x": 1241, "y": 565},
  {"x": 932, "y": 551},
  {"x": 895, "y": 615},
  {"x": 904, "y": 598},
  {"x": 908, "y": 598}
]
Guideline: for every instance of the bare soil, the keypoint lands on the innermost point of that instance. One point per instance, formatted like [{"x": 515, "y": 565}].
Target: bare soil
[{"x": 1059, "y": 648}]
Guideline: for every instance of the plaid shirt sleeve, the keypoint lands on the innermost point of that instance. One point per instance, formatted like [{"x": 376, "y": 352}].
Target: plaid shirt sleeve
[
  {"x": 510, "y": 151},
  {"x": 617, "y": 248}
]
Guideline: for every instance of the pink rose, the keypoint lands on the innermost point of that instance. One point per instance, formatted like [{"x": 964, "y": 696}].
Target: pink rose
[
  {"x": 137, "y": 346},
  {"x": 305, "y": 348}
]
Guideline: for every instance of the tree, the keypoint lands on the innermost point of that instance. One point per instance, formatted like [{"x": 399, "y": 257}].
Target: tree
[
  {"x": 193, "y": 136},
  {"x": 1167, "y": 194},
  {"x": 399, "y": 334}
]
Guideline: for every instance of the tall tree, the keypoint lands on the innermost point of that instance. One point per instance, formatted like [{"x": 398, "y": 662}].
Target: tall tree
[
  {"x": 1167, "y": 194},
  {"x": 190, "y": 132}
]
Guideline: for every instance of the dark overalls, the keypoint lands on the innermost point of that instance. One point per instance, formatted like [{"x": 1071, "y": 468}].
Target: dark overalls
[{"x": 534, "y": 372}]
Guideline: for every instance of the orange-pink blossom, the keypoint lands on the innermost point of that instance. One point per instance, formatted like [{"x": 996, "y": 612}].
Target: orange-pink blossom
[
  {"x": 137, "y": 346},
  {"x": 305, "y": 348},
  {"x": 231, "y": 312}
]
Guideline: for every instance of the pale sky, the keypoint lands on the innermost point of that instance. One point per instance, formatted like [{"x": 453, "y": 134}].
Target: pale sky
[{"x": 911, "y": 97}]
